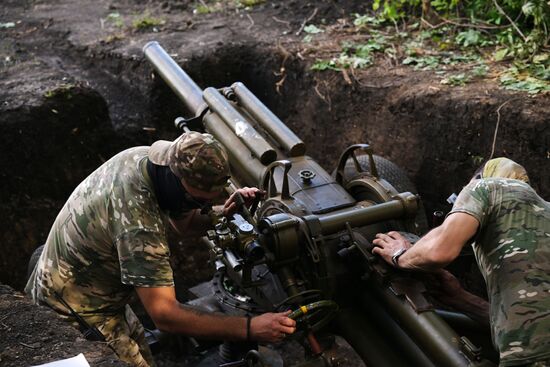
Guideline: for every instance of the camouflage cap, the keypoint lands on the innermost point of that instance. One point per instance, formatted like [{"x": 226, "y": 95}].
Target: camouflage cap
[
  {"x": 197, "y": 158},
  {"x": 505, "y": 168}
]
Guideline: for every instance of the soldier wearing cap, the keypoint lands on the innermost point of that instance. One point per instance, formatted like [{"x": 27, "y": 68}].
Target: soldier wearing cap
[
  {"x": 508, "y": 225},
  {"x": 108, "y": 243}
]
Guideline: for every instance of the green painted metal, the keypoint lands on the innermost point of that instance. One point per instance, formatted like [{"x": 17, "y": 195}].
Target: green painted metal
[
  {"x": 269, "y": 121},
  {"x": 239, "y": 126},
  {"x": 177, "y": 79},
  {"x": 303, "y": 225},
  {"x": 360, "y": 216}
]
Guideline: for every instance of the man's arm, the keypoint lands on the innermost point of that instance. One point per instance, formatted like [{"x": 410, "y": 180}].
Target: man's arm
[
  {"x": 195, "y": 223},
  {"x": 171, "y": 316},
  {"x": 433, "y": 251},
  {"x": 446, "y": 288}
]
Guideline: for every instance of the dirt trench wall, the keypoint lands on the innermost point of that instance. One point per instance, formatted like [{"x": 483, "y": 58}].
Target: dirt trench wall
[
  {"x": 48, "y": 148},
  {"x": 437, "y": 134}
]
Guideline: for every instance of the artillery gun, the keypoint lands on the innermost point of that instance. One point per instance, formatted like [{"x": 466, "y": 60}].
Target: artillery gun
[{"x": 306, "y": 245}]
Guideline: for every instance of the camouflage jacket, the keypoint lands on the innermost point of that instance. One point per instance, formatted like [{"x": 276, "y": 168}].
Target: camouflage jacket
[
  {"x": 108, "y": 238},
  {"x": 512, "y": 249}
]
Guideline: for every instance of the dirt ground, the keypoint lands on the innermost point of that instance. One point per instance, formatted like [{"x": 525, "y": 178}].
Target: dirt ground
[
  {"x": 75, "y": 89},
  {"x": 34, "y": 335}
]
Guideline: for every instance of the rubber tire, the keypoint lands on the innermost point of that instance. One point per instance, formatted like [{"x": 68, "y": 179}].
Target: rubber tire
[
  {"x": 34, "y": 259},
  {"x": 392, "y": 173}
]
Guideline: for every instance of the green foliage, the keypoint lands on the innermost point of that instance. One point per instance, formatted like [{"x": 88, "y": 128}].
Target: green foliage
[
  {"x": 146, "y": 21},
  {"x": 249, "y": 3},
  {"x": 115, "y": 19},
  {"x": 444, "y": 5},
  {"x": 532, "y": 77},
  {"x": 423, "y": 62},
  {"x": 394, "y": 9},
  {"x": 203, "y": 9},
  {"x": 363, "y": 21},
  {"x": 321, "y": 65},
  {"x": 477, "y": 160},
  {"x": 471, "y": 37},
  {"x": 63, "y": 91},
  {"x": 518, "y": 31},
  {"x": 524, "y": 38},
  {"x": 480, "y": 70},
  {"x": 356, "y": 56},
  {"x": 312, "y": 29},
  {"x": 528, "y": 84},
  {"x": 456, "y": 80}
]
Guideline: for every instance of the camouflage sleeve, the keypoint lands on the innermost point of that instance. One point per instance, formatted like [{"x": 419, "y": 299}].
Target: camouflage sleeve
[
  {"x": 144, "y": 258},
  {"x": 473, "y": 200}
]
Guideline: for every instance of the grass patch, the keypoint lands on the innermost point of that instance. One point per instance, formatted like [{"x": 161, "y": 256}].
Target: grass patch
[
  {"x": 62, "y": 91},
  {"x": 146, "y": 22}
]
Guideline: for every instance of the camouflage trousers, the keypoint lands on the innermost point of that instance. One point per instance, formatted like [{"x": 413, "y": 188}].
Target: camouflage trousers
[{"x": 125, "y": 335}]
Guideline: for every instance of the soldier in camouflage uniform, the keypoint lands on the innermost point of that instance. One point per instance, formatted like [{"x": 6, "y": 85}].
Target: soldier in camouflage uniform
[
  {"x": 109, "y": 243},
  {"x": 508, "y": 225}
]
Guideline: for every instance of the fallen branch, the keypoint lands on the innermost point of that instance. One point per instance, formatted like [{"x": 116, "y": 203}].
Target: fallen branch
[
  {"x": 496, "y": 127},
  {"x": 445, "y": 21},
  {"x": 29, "y": 346},
  {"x": 326, "y": 98},
  {"x": 279, "y": 84},
  {"x": 287, "y": 23},
  {"x": 305, "y": 21},
  {"x": 282, "y": 69},
  {"x": 346, "y": 76},
  {"x": 251, "y": 21},
  {"x": 510, "y": 20}
]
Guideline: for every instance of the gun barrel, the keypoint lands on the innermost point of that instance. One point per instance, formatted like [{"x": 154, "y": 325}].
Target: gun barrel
[
  {"x": 237, "y": 122},
  {"x": 402, "y": 206},
  {"x": 247, "y": 167},
  {"x": 242, "y": 161},
  {"x": 177, "y": 79},
  {"x": 267, "y": 119}
]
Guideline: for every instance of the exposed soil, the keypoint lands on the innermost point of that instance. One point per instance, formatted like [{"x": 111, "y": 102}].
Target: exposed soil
[
  {"x": 33, "y": 335},
  {"x": 75, "y": 89}
]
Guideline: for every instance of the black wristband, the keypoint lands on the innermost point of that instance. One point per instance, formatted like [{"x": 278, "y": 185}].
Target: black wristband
[
  {"x": 396, "y": 255},
  {"x": 248, "y": 320}
]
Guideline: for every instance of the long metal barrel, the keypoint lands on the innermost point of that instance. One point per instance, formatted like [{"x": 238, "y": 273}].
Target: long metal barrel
[
  {"x": 243, "y": 164},
  {"x": 237, "y": 122},
  {"x": 377, "y": 338},
  {"x": 177, "y": 79},
  {"x": 430, "y": 332},
  {"x": 248, "y": 169},
  {"x": 356, "y": 217},
  {"x": 267, "y": 119}
]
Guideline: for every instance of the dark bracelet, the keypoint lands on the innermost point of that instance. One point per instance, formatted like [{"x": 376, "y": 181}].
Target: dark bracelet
[
  {"x": 248, "y": 320},
  {"x": 396, "y": 255}
]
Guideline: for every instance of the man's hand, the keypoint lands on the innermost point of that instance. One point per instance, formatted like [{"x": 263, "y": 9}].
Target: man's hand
[
  {"x": 248, "y": 194},
  {"x": 388, "y": 244},
  {"x": 271, "y": 327}
]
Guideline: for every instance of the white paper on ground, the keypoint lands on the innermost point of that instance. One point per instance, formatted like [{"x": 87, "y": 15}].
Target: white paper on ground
[{"x": 77, "y": 361}]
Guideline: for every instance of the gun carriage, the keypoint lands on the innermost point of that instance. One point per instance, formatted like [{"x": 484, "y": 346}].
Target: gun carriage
[{"x": 306, "y": 245}]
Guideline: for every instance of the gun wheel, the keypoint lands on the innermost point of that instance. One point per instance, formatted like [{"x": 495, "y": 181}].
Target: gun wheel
[{"x": 392, "y": 174}]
